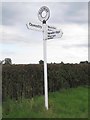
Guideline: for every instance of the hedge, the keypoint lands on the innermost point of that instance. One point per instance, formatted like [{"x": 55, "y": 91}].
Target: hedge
[{"x": 26, "y": 81}]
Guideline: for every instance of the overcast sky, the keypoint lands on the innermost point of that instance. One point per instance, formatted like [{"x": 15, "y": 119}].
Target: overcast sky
[{"x": 26, "y": 46}]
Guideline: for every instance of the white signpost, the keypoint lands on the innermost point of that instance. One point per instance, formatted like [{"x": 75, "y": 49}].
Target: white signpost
[{"x": 49, "y": 32}]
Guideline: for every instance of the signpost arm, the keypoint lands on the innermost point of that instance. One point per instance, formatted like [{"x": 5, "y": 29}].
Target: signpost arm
[{"x": 45, "y": 63}]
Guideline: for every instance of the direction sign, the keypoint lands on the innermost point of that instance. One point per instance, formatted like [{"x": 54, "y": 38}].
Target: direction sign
[
  {"x": 49, "y": 32},
  {"x": 51, "y": 28},
  {"x": 54, "y": 34},
  {"x": 34, "y": 26}
]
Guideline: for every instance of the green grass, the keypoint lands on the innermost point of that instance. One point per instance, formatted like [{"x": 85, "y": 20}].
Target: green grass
[
  {"x": 0, "y": 111},
  {"x": 71, "y": 103}
]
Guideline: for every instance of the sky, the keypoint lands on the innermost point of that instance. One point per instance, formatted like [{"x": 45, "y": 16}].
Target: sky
[{"x": 25, "y": 46}]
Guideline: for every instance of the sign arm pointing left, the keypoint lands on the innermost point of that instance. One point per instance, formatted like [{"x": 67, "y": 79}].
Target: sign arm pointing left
[
  {"x": 27, "y": 26},
  {"x": 34, "y": 27}
]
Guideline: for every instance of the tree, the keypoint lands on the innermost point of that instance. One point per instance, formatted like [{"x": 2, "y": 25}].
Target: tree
[
  {"x": 8, "y": 61},
  {"x": 41, "y": 62},
  {"x": 62, "y": 62},
  {"x": 84, "y": 62}
]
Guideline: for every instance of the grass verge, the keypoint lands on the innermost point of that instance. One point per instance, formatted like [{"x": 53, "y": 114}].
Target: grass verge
[{"x": 70, "y": 103}]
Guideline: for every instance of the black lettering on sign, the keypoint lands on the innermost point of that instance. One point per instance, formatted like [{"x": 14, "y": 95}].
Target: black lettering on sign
[{"x": 35, "y": 25}]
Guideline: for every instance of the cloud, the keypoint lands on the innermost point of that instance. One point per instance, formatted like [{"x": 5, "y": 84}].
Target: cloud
[
  {"x": 18, "y": 41},
  {"x": 8, "y": 53},
  {"x": 17, "y": 13},
  {"x": 45, "y": 1},
  {"x": 76, "y": 46},
  {"x": 12, "y": 35},
  {"x": 77, "y": 13}
]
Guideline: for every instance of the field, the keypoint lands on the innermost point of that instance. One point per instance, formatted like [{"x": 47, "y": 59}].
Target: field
[{"x": 69, "y": 103}]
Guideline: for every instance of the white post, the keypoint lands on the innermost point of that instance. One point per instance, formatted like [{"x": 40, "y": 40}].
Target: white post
[{"x": 45, "y": 63}]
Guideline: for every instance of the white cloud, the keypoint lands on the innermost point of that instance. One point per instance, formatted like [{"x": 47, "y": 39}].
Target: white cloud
[
  {"x": 45, "y": 0},
  {"x": 25, "y": 46}
]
